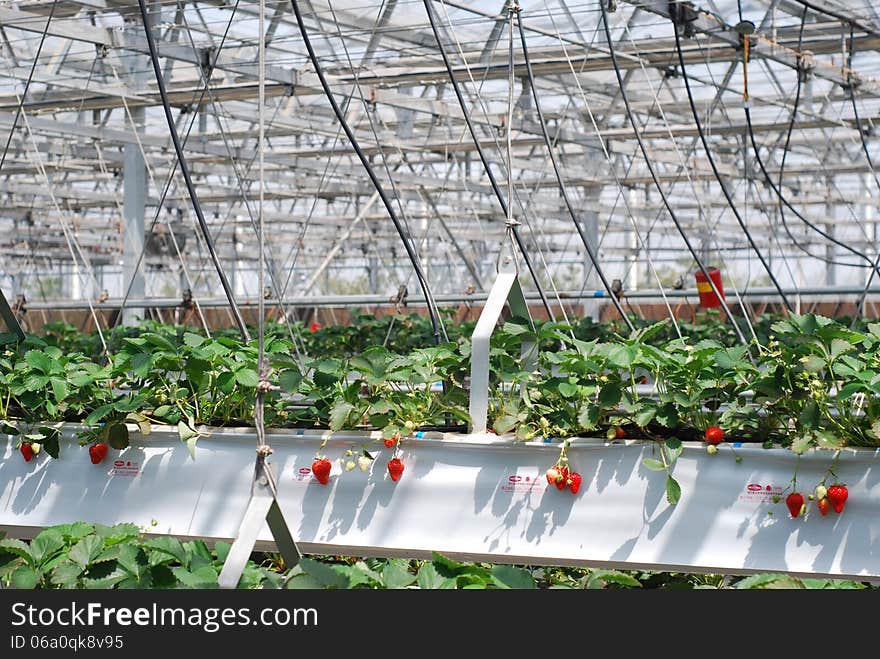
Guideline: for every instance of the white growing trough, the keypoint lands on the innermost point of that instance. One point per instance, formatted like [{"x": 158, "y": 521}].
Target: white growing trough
[{"x": 470, "y": 496}]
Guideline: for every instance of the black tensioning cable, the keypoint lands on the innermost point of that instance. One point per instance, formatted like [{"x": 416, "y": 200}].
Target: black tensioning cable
[
  {"x": 777, "y": 189},
  {"x": 27, "y": 84},
  {"x": 785, "y": 150},
  {"x": 494, "y": 183},
  {"x": 852, "y": 97},
  {"x": 562, "y": 188},
  {"x": 674, "y": 17},
  {"x": 625, "y": 98},
  {"x": 184, "y": 169},
  {"x": 413, "y": 257}
]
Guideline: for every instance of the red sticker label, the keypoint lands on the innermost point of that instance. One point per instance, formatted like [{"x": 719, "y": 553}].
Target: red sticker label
[{"x": 127, "y": 468}]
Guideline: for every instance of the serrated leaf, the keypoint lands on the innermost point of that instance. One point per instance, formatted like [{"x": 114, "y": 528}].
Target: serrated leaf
[
  {"x": 508, "y": 576},
  {"x": 613, "y": 576},
  {"x": 203, "y": 577},
  {"x": 673, "y": 449},
  {"x": 41, "y": 361},
  {"x": 247, "y": 377},
  {"x": 185, "y": 432},
  {"x": 809, "y": 416},
  {"x": 653, "y": 465},
  {"x": 170, "y": 546},
  {"x": 193, "y": 340},
  {"x": 339, "y": 414},
  {"x": 17, "y": 547},
  {"x": 289, "y": 380},
  {"x": 801, "y": 444},
  {"x": 396, "y": 574},
  {"x": 191, "y": 446},
  {"x": 568, "y": 389},
  {"x": 46, "y": 545},
  {"x": 86, "y": 550},
  {"x": 25, "y": 578},
  {"x": 117, "y": 533},
  {"x": 430, "y": 579},
  {"x": 504, "y": 423},
  {"x": 673, "y": 490},
  {"x": 66, "y": 574},
  {"x": 840, "y": 347},
  {"x": 759, "y": 581},
  {"x": 226, "y": 382},
  {"x": 324, "y": 575},
  {"x": 303, "y": 582},
  {"x": 588, "y": 416},
  {"x": 117, "y": 436}
]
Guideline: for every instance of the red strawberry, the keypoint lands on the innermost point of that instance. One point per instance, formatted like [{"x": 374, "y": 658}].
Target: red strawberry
[
  {"x": 563, "y": 478},
  {"x": 824, "y": 505},
  {"x": 390, "y": 441},
  {"x": 321, "y": 470},
  {"x": 838, "y": 494},
  {"x": 27, "y": 451},
  {"x": 395, "y": 468},
  {"x": 620, "y": 433},
  {"x": 97, "y": 452},
  {"x": 714, "y": 435},
  {"x": 314, "y": 327},
  {"x": 795, "y": 503},
  {"x": 552, "y": 475},
  {"x": 574, "y": 482}
]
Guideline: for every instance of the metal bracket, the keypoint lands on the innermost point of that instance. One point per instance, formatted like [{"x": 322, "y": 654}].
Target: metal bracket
[
  {"x": 505, "y": 290},
  {"x": 262, "y": 507},
  {"x": 9, "y": 318}
]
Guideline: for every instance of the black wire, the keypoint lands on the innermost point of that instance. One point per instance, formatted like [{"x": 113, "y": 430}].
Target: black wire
[
  {"x": 841, "y": 17},
  {"x": 673, "y": 15},
  {"x": 184, "y": 169},
  {"x": 625, "y": 98},
  {"x": 777, "y": 189},
  {"x": 413, "y": 257},
  {"x": 167, "y": 187},
  {"x": 590, "y": 252},
  {"x": 27, "y": 84},
  {"x": 497, "y": 190},
  {"x": 852, "y": 97},
  {"x": 10, "y": 319}
]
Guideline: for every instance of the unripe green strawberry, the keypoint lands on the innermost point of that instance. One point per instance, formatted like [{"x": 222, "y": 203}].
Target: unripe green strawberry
[{"x": 821, "y": 492}]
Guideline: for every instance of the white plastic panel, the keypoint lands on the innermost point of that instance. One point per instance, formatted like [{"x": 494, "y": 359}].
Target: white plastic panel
[{"x": 472, "y": 498}]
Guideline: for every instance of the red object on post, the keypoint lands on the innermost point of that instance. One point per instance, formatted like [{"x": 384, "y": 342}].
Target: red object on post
[{"x": 708, "y": 298}]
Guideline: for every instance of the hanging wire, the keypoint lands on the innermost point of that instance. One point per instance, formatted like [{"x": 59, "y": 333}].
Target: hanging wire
[
  {"x": 676, "y": 24},
  {"x": 494, "y": 183},
  {"x": 648, "y": 162},
  {"x": 562, "y": 187},
  {"x": 184, "y": 169},
  {"x": 413, "y": 257}
]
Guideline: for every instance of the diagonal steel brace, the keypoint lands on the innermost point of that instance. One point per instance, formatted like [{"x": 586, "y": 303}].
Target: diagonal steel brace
[
  {"x": 262, "y": 507},
  {"x": 9, "y": 318}
]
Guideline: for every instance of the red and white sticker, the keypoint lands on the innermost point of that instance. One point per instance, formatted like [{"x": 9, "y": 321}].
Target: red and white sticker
[
  {"x": 129, "y": 468},
  {"x": 521, "y": 482},
  {"x": 760, "y": 492}
]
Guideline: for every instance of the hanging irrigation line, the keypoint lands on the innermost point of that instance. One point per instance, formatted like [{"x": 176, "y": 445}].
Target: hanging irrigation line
[
  {"x": 685, "y": 169},
  {"x": 562, "y": 187},
  {"x": 492, "y": 180},
  {"x": 184, "y": 169},
  {"x": 621, "y": 196},
  {"x": 648, "y": 162},
  {"x": 777, "y": 187},
  {"x": 413, "y": 257},
  {"x": 676, "y": 24},
  {"x": 174, "y": 164},
  {"x": 852, "y": 97}
]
